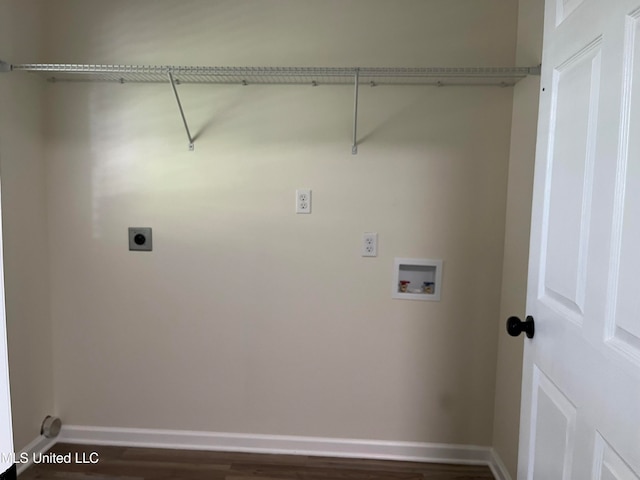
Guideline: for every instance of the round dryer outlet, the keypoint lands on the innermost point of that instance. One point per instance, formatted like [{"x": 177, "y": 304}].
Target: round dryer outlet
[{"x": 51, "y": 426}]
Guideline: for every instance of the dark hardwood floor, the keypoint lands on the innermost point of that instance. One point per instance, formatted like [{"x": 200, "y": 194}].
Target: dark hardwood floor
[{"x": 125, "y": 463}]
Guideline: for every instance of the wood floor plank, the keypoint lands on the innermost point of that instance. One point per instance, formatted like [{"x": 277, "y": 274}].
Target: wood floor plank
[
  {"x": 307, "y": 472},
  {"x": 129, "y": 463}
]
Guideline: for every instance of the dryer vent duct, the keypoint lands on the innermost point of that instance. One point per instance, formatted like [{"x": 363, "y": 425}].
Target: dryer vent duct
[{"x": 50, "y": 426}]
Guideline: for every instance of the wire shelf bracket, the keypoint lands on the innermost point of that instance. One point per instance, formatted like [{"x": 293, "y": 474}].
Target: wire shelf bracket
[
  {"x": 184, "y": 119},
  {"x": 354, "y": 146},
  {"x": 314, "y": 76}
]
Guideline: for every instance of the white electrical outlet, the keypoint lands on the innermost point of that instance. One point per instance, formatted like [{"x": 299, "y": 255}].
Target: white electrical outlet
[
  {"x": 303, "y": 200},
  {"x": 370, "y": 244}
]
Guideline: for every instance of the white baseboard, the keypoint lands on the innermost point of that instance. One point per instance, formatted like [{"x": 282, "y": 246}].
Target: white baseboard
[
  {"x": 284, "y": 444},
  {"x": 498, "y": 467},
  {"x": 36, "y": 447}
]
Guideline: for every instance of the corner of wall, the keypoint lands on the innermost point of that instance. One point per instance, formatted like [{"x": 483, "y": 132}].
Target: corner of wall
[
  {"x": 516, "y": 251},
  {"x": 26, "y": 268}
]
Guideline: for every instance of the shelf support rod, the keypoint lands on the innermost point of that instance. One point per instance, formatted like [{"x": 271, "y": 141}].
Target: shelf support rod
[
  {"x": 354, "y": 147},
  {"x": 184, "y": 119}
]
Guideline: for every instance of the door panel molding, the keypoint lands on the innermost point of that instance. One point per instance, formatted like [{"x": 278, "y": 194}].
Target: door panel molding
[
  {"x": 608, "y": 464},
  {"x": 543, "y": 444},
  {"x": 564, "y": 8},
  {"x": 567, "y": 216},
  {"x": 621, "y": 310}
]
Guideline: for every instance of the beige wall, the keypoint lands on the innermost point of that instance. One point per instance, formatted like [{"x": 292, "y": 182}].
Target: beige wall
[
  {"x": 22, "y": 171},
  {"x": 247, "y": 317},
  {"x": 516, "y": 248}
]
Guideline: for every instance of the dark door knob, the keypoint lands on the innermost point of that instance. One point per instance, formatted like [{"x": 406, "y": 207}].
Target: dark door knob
[{"x": 515, "y": 326}]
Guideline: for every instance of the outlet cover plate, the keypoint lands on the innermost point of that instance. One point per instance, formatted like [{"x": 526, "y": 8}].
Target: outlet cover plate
[
  {"x": 369, "y": 244},
  {"x": 303, "y": 200},
  {"x": 140, "y": 239}
]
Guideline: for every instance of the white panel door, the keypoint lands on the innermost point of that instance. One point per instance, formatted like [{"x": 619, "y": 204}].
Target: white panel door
[
  {"x": 6, "y": 432},
  {"x": 581, "y": 384}
]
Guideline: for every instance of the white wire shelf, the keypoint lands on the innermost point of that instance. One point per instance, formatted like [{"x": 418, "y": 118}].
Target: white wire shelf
[
  {"x": 314, "y": 76},
  {"x": 501, "y": 76}
]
